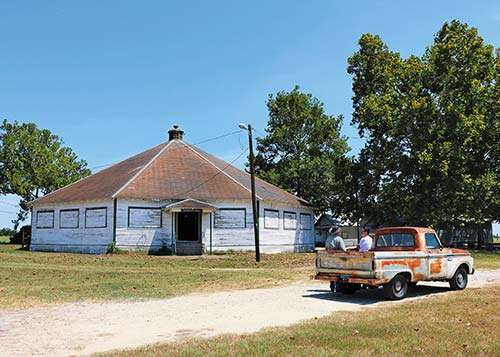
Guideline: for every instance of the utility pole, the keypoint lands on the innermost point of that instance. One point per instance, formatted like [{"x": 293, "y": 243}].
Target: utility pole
[{"x": 254, "y": 199}]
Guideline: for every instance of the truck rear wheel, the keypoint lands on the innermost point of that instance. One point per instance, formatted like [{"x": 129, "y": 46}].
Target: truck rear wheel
[
  {"x": 397, "y": 288},
  {"x": 459, "y": 280},
  {"x": 332, "y": 287}
]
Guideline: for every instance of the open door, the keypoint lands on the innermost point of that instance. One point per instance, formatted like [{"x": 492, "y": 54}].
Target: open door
[{"x": 188, "y": 235}]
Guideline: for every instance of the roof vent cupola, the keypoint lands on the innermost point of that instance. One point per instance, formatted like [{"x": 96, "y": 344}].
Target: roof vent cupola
[{"x": 175, "y": 133}]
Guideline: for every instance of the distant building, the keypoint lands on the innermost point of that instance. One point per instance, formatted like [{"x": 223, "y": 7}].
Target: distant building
[
  {"x": 348, "y": 231},
  {"x": 469, "y": 236},
  {"x": 171, "y": 197}
]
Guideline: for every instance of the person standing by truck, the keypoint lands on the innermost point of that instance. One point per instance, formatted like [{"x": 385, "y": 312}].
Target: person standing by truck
[
  {"x": 365, "y": 244},
  {"x": 334, "y": 240}
]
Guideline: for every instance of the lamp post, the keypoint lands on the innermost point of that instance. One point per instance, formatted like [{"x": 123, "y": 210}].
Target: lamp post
[{"x": 252, "y": 183}]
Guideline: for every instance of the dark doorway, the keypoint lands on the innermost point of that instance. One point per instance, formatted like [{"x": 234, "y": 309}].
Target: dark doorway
[
  {"x": 188, "y": 226},
  {"x": 188, "y": 240}
]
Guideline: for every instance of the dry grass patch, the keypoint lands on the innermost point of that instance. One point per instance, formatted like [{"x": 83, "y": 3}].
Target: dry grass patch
[
  {"x": 459, "y": 323},
  {"x": 36, "y": 278},
  {"x": 486, "y": 260}
]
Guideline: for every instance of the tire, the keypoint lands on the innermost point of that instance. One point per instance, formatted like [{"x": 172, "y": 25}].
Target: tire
[
  {"x": 459, "y": 280},
  {"x": 348, "y": 288},
  {"x": 397, "y": 288}
]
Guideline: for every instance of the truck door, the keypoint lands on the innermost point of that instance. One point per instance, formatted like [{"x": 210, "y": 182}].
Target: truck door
[{"x": 437, "y": 261}]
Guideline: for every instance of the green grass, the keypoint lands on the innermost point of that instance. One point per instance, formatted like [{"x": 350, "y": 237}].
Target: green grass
[
  {"x": 36, "y": 278},
  {"x": 4, "y": 239},
  {"x": 459, "y": 323},
  {"x": 486, "y": 260}
]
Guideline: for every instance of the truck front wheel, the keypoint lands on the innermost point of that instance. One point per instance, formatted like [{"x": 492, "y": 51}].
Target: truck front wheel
[
  {"x": 397, "y": 288},
  {"x": 459, "y": 280}
]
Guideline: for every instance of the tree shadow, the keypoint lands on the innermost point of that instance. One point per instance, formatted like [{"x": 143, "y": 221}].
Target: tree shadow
[{"x": 372, "y": 296}]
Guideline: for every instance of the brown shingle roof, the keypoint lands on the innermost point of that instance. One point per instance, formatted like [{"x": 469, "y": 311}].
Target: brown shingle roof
[
  {"x": 264, "y": 190},
  {"x": 172, "y": 170},
  {"x": 104, "y": 183}
]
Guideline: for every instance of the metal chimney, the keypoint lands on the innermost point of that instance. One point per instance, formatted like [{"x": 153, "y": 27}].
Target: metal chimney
[{"x": 175, "y": 133}]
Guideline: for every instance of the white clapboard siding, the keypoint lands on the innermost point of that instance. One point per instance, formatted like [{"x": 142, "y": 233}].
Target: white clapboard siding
[
  {"x": 149, "y": 237},
  {"x": 68, "y": 233},
  {"x": 229, "y": 238},
  {"x": 272, "y": 240},
  {"x": 144, "y": 225}
]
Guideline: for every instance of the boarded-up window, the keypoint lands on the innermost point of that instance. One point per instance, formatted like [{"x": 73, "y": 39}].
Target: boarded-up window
[
  {"x": 305, "y": 222},
  {"x": 68, "y": 218},
  {"x": 144, "y": 217},
  {"x": 45, "y": 219},
  {"x": 271, "y": 219},
  {"x": 290, "y": 220},
  {"x": 230, "y": 218},
  {"x": 96, "y": 217}
]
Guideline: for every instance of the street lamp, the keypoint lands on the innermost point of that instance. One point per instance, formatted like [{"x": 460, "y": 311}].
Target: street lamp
[{"x": 252, "y": 183}]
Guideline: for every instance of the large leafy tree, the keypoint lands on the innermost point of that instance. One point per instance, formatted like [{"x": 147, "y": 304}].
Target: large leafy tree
[
  {"x": 432, "y": 125},
  {"x": 303, "y": 151},
  {"x": 34, "y": 162}
]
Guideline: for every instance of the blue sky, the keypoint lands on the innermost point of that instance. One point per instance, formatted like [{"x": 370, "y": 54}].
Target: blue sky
[{"x": 111, "y": 77}]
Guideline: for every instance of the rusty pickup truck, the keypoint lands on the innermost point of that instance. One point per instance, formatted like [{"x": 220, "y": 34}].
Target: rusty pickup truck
[{"x": 400, "y": 257}]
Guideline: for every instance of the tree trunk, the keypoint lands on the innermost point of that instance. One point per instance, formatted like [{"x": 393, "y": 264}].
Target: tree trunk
[{"x": 480, "y": 236}]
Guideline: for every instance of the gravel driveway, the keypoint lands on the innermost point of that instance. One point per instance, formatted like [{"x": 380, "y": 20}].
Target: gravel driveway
[{"x": 84, "y": 328}]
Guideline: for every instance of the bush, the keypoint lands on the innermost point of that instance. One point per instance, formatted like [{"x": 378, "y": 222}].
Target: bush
[
  {"x": 7, "y": 232},
  {"x": 17, "y": 238},
  {"x": 113, "y": 249}
]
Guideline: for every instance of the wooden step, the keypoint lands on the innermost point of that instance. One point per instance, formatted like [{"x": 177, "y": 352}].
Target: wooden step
[{"x": 188, "y": 248}]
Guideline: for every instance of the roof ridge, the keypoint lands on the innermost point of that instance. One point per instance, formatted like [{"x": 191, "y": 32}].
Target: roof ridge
[
  {"x": 261, "y": 181},
  {"x": 225, "y": 173},
  {"x": 141, "y": 170}
]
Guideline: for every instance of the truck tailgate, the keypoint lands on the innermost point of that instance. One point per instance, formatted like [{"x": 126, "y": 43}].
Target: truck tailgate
[{"x": 359, "y": 264}]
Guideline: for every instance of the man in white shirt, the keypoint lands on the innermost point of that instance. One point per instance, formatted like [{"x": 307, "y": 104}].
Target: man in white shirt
[{"x": 365, "y": 244}]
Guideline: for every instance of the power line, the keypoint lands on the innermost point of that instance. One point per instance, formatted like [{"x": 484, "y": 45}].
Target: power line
[
  {"x": 218, "y": 137},
  {"x": 260, "y": 132},
  {"x": 195, "y": 144},
  {"x": 214, "y": 176},
  {"x": 8, "y": 204}
]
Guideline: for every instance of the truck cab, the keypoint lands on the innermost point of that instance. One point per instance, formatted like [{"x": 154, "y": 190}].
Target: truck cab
[{"x": 400, "y": 257}]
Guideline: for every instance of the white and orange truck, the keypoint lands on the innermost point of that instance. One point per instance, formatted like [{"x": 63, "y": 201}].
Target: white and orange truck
[{"x": 400, "y": 257}]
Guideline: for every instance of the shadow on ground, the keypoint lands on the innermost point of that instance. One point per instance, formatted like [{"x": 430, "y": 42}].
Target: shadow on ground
[{"x": 372, "y": 296}]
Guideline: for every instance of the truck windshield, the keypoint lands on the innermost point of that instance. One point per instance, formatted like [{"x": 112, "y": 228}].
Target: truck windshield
[{"x": 395, "y": 240}]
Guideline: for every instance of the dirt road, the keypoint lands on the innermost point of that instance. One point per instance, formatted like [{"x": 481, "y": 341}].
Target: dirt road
[{"x": 84, "y": 328}]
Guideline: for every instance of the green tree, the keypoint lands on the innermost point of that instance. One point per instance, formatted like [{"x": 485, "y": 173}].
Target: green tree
[
  {"x": 7, "y": 232},
  {"x": 34, "y": 162},
  {"x": 432, "y": 125},
  {"x": 303, "y": 151}
]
